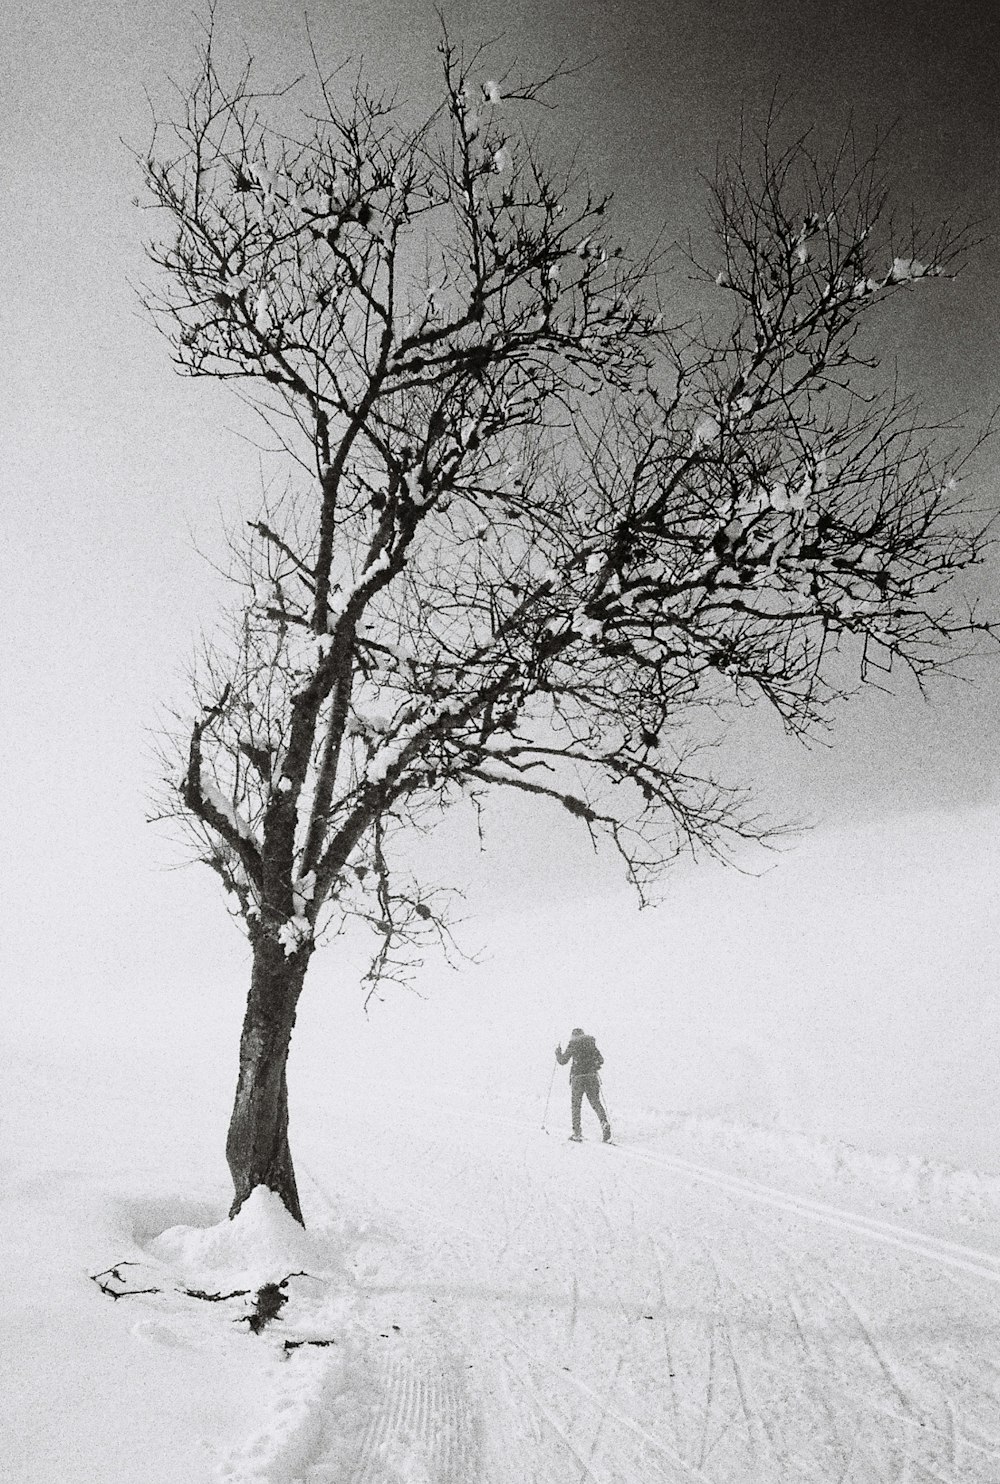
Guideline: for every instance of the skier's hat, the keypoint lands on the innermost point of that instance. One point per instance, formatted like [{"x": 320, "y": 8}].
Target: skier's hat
[{"x": 577, "y": 1030}]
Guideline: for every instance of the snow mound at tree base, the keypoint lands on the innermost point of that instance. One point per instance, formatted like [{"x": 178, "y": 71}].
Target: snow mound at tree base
[
  {"x": 350, "y": 1382},
  {"x": 262, "y": 1244}
]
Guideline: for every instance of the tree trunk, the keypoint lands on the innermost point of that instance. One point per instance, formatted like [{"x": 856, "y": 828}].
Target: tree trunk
[{"x": 257, "y": 1146}]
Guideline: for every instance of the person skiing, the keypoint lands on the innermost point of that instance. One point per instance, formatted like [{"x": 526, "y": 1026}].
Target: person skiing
[{"x": 587, "y": 1061}]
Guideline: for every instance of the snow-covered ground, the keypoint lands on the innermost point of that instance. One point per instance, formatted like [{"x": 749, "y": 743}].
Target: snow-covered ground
[{"x": 787, "y": 1268}]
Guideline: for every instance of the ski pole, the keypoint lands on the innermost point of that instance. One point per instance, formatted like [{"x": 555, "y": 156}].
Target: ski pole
[
  {"x": 604, "y": 1097},
  {"x": 547, "y": 1097}
]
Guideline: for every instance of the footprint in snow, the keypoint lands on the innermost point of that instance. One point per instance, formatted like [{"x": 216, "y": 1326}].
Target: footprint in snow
[{"x": 154, "y": 1332}]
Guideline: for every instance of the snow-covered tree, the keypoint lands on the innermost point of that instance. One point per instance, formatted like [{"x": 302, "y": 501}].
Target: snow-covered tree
[{"x": 534, "y": 537}]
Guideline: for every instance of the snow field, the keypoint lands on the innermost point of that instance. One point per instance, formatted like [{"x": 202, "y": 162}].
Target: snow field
[
  {"x": 786, "y": 1271},
  {"x": 628, "y": 1320},
  {"x": 91, "y": 1385},
  {"x": 506, "y": 1306}
]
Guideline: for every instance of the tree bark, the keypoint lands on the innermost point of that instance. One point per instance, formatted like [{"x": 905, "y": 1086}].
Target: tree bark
[{"x": 257, "y": 1149}]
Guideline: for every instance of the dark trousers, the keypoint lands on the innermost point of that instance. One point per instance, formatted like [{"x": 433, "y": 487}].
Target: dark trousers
[{"x": 589, "y": 1083}]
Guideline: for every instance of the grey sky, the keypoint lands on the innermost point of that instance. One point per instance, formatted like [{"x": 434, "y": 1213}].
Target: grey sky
[{"x": 110, "y": 460}]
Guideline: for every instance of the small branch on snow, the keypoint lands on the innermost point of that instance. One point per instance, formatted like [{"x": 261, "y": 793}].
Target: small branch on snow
[
  {"x": 114, "y": 1274},
  {"x": 214, "y": 1298}
]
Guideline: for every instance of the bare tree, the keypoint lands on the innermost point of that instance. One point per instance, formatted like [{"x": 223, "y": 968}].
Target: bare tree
[{"x": 534, "y": 538}]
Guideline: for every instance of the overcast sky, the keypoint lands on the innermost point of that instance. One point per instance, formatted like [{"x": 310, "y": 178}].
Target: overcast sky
[{"x": 110, "y": 461}]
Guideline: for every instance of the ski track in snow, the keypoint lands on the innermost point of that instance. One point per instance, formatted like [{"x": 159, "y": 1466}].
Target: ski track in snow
[
  {"x": 422, "y": 1427},
  {"x": 626, "y": 1315},
  {"x": 951, "y": 1254}
]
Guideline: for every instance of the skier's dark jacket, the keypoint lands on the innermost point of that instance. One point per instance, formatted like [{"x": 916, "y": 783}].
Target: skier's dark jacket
[{"x": 586, "y": 1057}]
